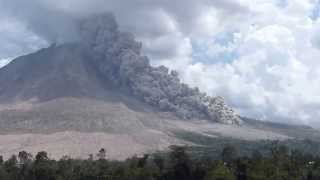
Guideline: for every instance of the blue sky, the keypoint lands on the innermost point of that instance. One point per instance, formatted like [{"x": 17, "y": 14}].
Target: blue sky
[{"x": 262, "y": 56}]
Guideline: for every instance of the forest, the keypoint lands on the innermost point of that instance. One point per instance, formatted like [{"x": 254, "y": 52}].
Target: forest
[{"x": 277, "y": 161}]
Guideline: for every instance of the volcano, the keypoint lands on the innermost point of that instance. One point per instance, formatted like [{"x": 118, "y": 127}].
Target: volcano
[{"x": 101, "y": 92}]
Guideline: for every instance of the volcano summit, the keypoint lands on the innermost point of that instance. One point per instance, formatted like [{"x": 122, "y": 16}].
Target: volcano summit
[
  {"x": 99, "y": 92},
  {"x": 104, "y": 60}
]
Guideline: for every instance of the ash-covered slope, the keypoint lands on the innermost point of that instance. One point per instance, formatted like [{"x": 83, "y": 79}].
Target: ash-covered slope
[
  {"x": 54, "y": 72},
  {"x": 103, "y": 61}
]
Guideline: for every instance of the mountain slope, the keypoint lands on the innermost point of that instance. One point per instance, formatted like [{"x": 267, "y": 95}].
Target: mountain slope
[
  {"x": 105, "y": 58},
  {"x": 51, "y": 73},
  {"x": 72, "y": 98}
]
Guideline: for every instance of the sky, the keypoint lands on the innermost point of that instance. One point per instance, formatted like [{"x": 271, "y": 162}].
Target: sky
[{"x": 262, "y": 56}]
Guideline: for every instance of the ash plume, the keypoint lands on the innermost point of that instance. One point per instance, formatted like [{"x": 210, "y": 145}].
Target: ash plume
[
  {"x": 42, "y": 18},
  {"x": 117, "y": 55}
]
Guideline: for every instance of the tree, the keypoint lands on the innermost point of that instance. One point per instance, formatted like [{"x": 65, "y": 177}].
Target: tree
[
  {"x": 41, "y": 157},
  {"x": 11, "y": 167},
  {"x": 159, "y": 161},
  {"x": 241, "y": 168},
  {"x": 25, "y": 165},
  {"x": 256, "y": 155},
  {"x": 220, "y": 172},
  {"x": 101, "y": 154},
  {"x": 1, "y": 160},
  {"x": 180, "y": 162},
  {"x": 229, "y": 153},
  {"x": 44, "y": 169},
  {"x": 24, "y": 157},
  {"x": 143, "y": 161}
]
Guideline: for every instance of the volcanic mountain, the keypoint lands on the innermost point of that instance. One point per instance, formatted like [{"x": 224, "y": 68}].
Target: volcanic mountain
[{"x": 100, "y": 92}]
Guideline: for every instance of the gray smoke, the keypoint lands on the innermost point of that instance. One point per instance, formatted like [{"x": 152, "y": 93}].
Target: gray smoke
[
  {"x": 41, "y": 18},
  {"x": 118, "y": 57},
  {"x": 55, "y": 20}
]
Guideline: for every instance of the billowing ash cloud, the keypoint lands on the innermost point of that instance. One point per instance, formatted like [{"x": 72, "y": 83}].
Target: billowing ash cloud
[
  {"x": 118, "y": 57},
  {"x": 47, "y": 22},
  {"x": 154, "y": 22},
  {"x": 266, "y": 66}
]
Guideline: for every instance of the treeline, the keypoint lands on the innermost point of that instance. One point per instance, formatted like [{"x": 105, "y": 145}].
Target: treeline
[{"x": 177, "y": 164}]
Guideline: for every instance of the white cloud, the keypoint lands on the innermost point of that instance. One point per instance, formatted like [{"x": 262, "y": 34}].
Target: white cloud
[
  {"x": 275, "y": 72},
  {"x": 4, "y": 62}
]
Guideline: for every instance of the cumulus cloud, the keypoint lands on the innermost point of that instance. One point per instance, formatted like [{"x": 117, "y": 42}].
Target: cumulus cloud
[
  {"x": 261, "y": 55},
  {"x": 274, "y": 68},
  {"x": 15, "y": 39},
  {"x": 4, "y": 62}
]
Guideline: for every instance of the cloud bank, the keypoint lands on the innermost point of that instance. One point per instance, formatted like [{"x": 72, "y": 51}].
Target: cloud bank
[{"x": 261, "y": 55}]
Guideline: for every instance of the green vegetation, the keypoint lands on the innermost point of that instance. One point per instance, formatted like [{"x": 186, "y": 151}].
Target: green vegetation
[
  {"x": 179, "y": 163},
  {"x": 211, "y": 147}
]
